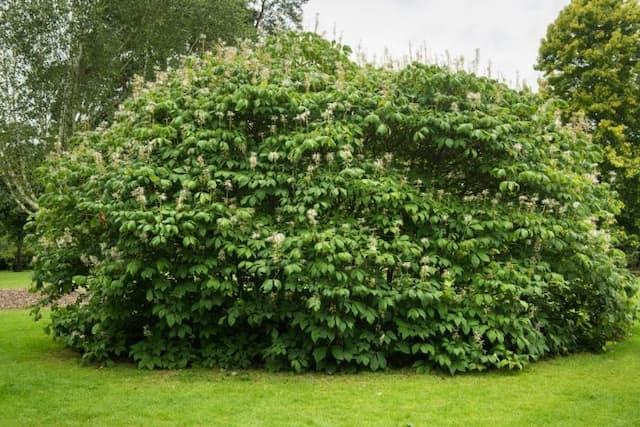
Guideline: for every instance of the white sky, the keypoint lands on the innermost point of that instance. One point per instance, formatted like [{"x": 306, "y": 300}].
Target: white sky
[{"x": 507, "y": 32}]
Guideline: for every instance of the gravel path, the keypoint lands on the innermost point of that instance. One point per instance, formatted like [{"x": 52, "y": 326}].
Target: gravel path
[{"x": 22, "y": 298}]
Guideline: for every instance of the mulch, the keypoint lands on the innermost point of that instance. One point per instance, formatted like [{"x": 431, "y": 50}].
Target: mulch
[{"x": 23, "y": 298}]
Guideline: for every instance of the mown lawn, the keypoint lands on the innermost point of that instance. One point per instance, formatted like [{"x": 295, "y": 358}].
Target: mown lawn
[
  {"x": 42, "y": 384},
  {"x": 11, "y": 280}
]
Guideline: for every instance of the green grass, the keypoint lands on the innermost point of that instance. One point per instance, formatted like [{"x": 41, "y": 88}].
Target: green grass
[
  {"x": 41, "y": 383},
  {"x": 11, "y": 280}
]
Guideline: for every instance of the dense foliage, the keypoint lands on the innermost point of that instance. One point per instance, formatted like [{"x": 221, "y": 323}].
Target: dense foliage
[
  {"x": 279, "y": 205},
  {"x": 591, "y": 58}
]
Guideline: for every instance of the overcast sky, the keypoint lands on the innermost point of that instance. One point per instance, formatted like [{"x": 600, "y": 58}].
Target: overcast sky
[{"x": 506, "y": 32}]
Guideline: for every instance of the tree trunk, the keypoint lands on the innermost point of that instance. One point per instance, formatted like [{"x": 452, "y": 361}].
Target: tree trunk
[{"x": 18, "y": 262}]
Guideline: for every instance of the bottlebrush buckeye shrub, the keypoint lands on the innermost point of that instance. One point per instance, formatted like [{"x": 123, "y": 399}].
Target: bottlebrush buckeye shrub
[{"x": 279, "y": 205}]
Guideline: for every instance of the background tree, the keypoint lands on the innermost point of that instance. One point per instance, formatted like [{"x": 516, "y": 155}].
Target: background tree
[
  {"x": 274, "y": 15},
  {"x": 12, "y": 221},
  {"x": 66, "y": 64},
  {"x": 591, "y": 58},
  {"x": 26, "y": 153}
]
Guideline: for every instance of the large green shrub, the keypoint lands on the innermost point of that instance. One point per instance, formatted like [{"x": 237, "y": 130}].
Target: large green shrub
[{"x": 280, "y": 205}]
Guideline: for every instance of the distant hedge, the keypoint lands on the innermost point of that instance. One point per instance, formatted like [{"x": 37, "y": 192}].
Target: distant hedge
[{"x": 278, "y": 205}]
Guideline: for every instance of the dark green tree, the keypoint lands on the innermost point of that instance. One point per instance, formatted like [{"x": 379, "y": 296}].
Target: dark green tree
[
  {"x": 12, "y": 222},
  {"x": 590, "y": 57}
]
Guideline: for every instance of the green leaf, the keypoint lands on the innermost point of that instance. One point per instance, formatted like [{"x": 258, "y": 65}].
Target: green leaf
[
  {"x": 337, "y": 352},
  {"x": 475, "y": 260},
  {"x": 427, "y": 349},
  {"x": 382, "y": 130},
  {"x": 314, "y": 303},
  {"x": 270, "y": 284},
  {"x": 134, "y": 267},
  {"x": 171, "y": 320},
  {"x": 509, "y": 186},
  {"x": 319, "y": 353},
  {"x": 79, "y": 280}
]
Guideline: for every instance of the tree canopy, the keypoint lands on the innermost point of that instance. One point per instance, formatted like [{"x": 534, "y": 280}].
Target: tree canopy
[
  {"x": 276, "y": 204},
  {"x": 591, "y": 58}
]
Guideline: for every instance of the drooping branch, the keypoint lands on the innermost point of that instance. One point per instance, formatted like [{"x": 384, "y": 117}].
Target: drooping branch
[
  {"x": 25, "y": 204},
  {"x": 14, "y": 175}
]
